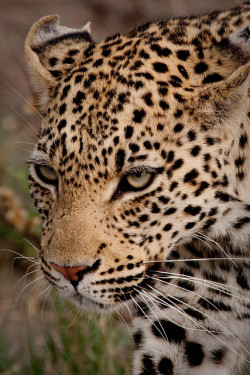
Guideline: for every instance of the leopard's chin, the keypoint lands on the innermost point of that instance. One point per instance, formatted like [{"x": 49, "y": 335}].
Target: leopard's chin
[{"x": 89, "y": 304}]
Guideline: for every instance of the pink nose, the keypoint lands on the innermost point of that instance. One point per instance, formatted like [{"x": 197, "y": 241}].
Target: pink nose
[
  {"x": 75, "y": 274},
  {"x": 71, "y": 273}
]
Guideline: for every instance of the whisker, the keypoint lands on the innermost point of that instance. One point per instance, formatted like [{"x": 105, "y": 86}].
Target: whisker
[
  {"x": 26, "y": 101},
  {"x": 31, "y": 244},
  {"x": 187, "y": 277},
  {"x": 219, "y": 246},
  {"x": 153, "y": 297},
  {"x": 21, "y": 256},
  {"x": 26, "y": 286},
  {"x": 191, "y": 260},
  {"x": 208, "y": 283},
  {"x": 209, "y": 317},
  {"x": 150, "y": 319},
  {"x": 123, "y": 320},
  {"x": 22, "y": 142},
  {"x": 203, "y": 328},
  {"x": 27, "y": 122}
]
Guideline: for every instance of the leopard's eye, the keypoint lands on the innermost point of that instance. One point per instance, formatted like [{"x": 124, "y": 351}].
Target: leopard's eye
[
  {"x": 46, "y": 174},
  {"x": 139, "y": 180},
  {"x": 135, "y": 180}
]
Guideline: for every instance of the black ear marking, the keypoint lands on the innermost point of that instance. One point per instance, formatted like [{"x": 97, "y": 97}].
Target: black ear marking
[{"x": 51, "y": 52}]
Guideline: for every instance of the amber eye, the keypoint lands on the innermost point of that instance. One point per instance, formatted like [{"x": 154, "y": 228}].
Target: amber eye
[
  {"x": 139, "y": 180},
  {"x": 46, "y": 174}
]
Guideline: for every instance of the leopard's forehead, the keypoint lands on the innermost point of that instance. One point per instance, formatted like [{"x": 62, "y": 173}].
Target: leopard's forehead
[{"x": 133, "y": 91}]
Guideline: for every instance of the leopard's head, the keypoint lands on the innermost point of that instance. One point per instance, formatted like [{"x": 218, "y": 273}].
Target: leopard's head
[{"x": 137, "y": 152}]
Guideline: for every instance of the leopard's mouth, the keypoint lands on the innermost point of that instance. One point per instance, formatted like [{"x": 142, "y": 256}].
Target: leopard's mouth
[{"x": 119, "y": 299}]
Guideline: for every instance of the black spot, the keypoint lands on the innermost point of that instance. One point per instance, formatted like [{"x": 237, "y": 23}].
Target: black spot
[
  {"x": 194, "y": 353},
  {"x": 218, "y": 355},
  {"x": 191, "y": 135},
  {"x": 201, "y": 67},
  {"x": 209, "y": 223},
  {"x": 163, "y": 199},
  {"x": 61, "y": 125},
  {"x": 185, "y": 284},
  {"x": 98, "y": 63},
  {"x": 242, "y": 279},
  {"x": 148, "y": 365},
  {"x": 56, "y": 73},
  {"x": 178, "y": 128},
  {"x": 137, "y": 337},
  {"x": 160, "y": 67},
  {"x": 106, "y": 52},
  {"x": 65, "y": 92},
  {"x": 161, "y": 51},
  {"x": 222, "y": 196},
  {"x": 211, "y": 78},
  {"x": 190, "y": 176},
  {"x": 164, "y": 105},
  {"x": 178, "y": 113},
  {"x": 183, "y": 55},
  {"x": 179, "y": 98},
  {"x": 148, "y": 99},
  {"x": 210, "y": 304},
  {"x": 163, "y": 91},
  {"x": 120, "y": 158},
  {"x": 155, "y": 209},
  {"x": 183, "y": 71},
  {"x": 173, "y": 186},
  {"x": 138, "y": 115},
  {"x": 165, "y": 366},
  {"x": 210, "y": 141},
  {"x": 167, "y": 227},
  {"x": 128, "y": 132},
  {"x": 134, "y": 147},
  {"x": 190, "y": 225},
  {"x": 68, "y": 60},
  {"x": 143, "y": 218},
  {"x": 195, "y": 150},
  {"x": 243, "y": 140},
  {"x": 170, "y": 211},
  {"x": 53, "y": 61},
  {"x": 136, "y": 65},
  {"x": 147, "y": 145},
  {"x": 194, "y": 313},
  {"x": 116, "y": 140},
  {"x": 170, "y": 156},
  {"x": 177, "y": 164},
  {"x": 80, "y": 96},
  {"x": 78, "y": 78},
  {"x": 144, "y": 55},
  {"x": 241, "y": 222},
  {"x": 192, "y": 210},
  {"x": 239, "y": 161},
  {"x": 169, "y": 331},
  {"x": 203, "y": 185},
  {"x": 62, "y": 109}
]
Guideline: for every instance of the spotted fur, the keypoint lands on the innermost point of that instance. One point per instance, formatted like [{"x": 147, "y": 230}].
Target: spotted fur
[{"x": 168, "y": 101}]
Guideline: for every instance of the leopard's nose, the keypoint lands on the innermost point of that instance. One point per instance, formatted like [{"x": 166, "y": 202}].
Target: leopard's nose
[{"x": 75, "y": 274}]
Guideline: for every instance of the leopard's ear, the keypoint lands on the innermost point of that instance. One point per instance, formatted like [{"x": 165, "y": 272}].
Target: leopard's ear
[
  {"x": 227, "y": 99},
  {"x": 51, "y": 52}
]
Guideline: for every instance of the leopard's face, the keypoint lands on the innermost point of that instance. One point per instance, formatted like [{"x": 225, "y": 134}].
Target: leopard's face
[{"x": 127, "y": 166}]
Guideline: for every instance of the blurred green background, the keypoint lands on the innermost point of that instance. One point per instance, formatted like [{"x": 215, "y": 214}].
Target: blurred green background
[{"x": 39, "y": 333}]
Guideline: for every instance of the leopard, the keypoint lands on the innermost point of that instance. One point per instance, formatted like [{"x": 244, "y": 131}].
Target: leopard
[{"x": 141, "y": 176}]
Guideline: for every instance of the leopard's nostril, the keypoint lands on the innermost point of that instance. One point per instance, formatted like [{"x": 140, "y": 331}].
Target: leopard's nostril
[{"x": 75, "y": 274}]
